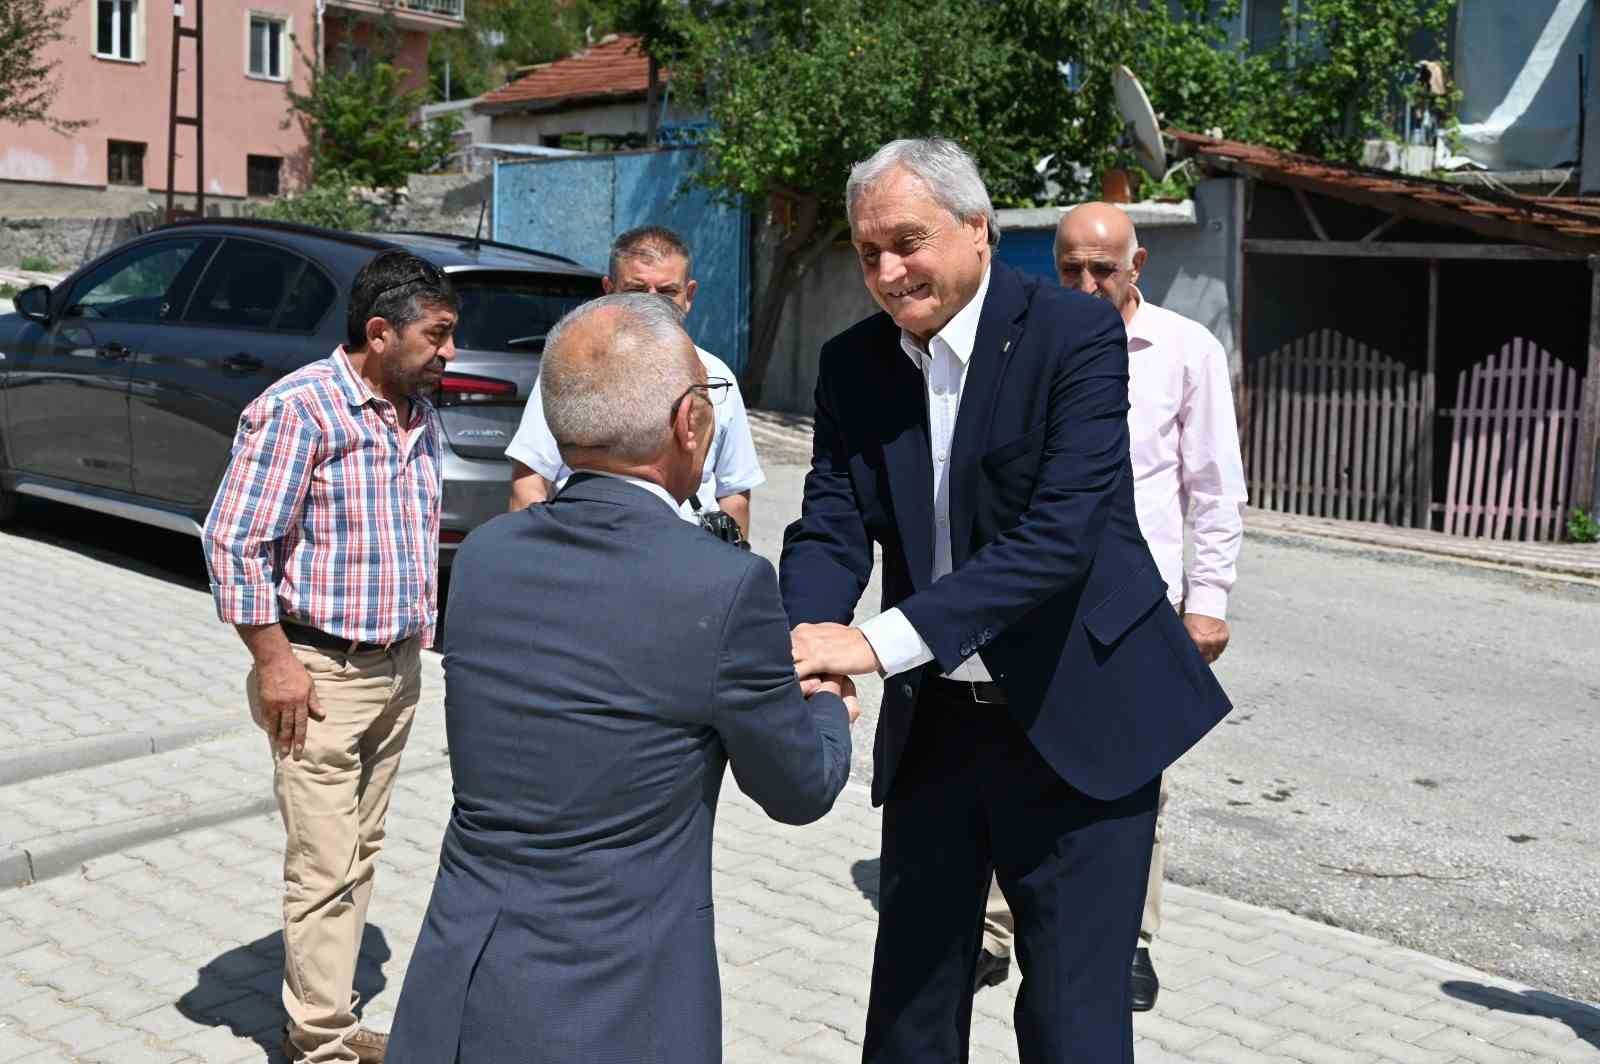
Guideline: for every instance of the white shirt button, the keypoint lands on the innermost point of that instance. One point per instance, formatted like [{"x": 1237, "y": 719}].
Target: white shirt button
[{"x": 941, "y": 456}]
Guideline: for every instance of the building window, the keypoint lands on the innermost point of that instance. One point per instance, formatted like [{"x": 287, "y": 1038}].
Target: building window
[
  {"x": 117, "y": 29},
  {"x": 261, "y": 174},
  {"x": 125, "y": 163},
  {"x": 269, "y": 38}
]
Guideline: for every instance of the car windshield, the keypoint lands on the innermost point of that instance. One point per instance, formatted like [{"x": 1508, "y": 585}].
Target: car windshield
[{"x": 513, "y": 313}]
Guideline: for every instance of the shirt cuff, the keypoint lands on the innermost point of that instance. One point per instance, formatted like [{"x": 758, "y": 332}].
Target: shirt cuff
[
  {"x": 1207, "y": 601},
  {"x": 896, "y": 642},
  {"x": 246, "y": 603}
]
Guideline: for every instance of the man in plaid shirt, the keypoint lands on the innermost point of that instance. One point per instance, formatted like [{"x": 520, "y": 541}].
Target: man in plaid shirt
[{"x": 323, "y": 546}]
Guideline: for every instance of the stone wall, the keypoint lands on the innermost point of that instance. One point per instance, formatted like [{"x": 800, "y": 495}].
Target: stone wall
[{"x": 440, "y": 203}]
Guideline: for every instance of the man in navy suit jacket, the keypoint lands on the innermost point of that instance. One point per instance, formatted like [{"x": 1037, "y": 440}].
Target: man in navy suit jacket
[
  {"x": 1037, "y": 682},
  {"x": 604, "y": 662}
]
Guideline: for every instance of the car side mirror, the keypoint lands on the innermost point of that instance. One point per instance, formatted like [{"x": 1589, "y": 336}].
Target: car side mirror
[{"x": 34, "y": 303}]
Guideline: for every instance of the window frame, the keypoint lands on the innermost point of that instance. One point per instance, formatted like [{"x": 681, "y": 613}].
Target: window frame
[
  {"x": 182, "y": 317},
  {"x": 136, "y": 29},
  {"x": 285, "y": 55},
  {"x": 277, "y": 178},
  {"x": 205, "y": 248},
  {"x": 112, "y": 144}
]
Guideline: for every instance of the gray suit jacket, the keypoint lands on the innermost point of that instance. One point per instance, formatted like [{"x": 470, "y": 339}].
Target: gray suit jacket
[{"x": 604, "y": 660}]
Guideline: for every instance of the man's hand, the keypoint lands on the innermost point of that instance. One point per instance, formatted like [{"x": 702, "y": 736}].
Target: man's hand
[
  {"x": 1210, "y": 635},
  {"x": 843, "y": 686},
  {"x": 288, "y": 699},
  {"x": 821, "y": 649}
]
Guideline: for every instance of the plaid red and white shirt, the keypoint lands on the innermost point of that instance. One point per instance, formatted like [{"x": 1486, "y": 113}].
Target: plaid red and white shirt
[{"x": 326, "y": 516}]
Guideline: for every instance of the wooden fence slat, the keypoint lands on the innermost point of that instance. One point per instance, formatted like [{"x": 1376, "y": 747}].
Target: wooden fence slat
[
  {"x": 1346, "y": 433},
  {"x": 1486, "y": 452},
  {"x": 1297, "y": 419},
  {"x": 1566, "y": 454},
  {"x": 1510, "y": 400},
  {"x": 1318, "y": 392},
  {"x": 1555, "y": 524},
  {"x": 1453, "y": 477},
  {"x": 1407, "y": 502},
  {"x": 1272, "y": 369},
  {"x": 1469, "y": 449},
  {"x": 1539, "y": 478},
  {"x": 1380, "y": 404},
  {"x": 1358, "y": 428},
  {"x": 1535, "y": 361},
  {"x": 1252, "y": 402}
]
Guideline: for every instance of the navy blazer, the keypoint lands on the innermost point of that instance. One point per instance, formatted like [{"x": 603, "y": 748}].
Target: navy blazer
[
  {"x": 1053, "y": 586},
  {"x": 604, "y": 661}
]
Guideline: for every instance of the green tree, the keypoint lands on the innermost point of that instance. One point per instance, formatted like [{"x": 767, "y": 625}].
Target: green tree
[
  {"x": 798, "y": 91},
  {"x": 28, "y": 82},
  {"x": 501, "y": 36},
  {"x": 1347, "y": 63},
  {"x": 360, "y": 124}
]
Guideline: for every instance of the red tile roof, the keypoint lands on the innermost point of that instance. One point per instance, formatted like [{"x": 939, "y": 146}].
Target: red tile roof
[
  {"x": 615, "y": 67},
  {"x": 1549, "y": 221}
]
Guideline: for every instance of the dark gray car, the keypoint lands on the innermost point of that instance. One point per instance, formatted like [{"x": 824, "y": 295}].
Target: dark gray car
[{"x": 121, "y": 387}]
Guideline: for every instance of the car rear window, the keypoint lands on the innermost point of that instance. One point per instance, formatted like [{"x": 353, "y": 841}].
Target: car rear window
[{"x": 495, "y": 311}]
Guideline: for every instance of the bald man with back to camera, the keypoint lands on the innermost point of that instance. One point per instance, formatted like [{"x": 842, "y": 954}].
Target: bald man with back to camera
[
  {"x": 1184, "y": 444},
  {"x": 605, "y": 662}
]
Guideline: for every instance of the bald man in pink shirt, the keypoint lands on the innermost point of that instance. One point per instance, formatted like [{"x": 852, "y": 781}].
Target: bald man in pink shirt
[{"x": 1184, "y": 443}]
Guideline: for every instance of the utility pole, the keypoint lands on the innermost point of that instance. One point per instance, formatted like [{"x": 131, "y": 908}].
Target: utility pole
[{"x": 197, "y": 120}]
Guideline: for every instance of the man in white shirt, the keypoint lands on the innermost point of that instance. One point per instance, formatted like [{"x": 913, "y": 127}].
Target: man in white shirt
[
  {"x": 1185, "y": 448},
  {"x": 650, "y": 259}
]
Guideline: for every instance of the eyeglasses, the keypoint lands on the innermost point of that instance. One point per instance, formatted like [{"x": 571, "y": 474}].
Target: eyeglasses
[
  {"x": 1100, "y": 271},
  {"x": 715, "y": 390},
  {"x": 427, "y": 273}
]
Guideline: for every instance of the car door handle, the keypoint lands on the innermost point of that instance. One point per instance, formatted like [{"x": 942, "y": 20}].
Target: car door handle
[
  {"x": 113, "y": 350},
  {"x": 242, "y": 363}
]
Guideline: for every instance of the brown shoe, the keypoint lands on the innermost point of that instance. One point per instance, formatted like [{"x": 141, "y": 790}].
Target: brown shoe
[{"x": 370, "y": 1046}]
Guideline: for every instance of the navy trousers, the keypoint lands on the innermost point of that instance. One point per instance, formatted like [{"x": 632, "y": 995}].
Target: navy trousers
[{"x": 972, "y": 797}]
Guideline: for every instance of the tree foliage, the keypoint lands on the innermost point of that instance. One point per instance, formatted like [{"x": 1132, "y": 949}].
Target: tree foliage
[
  {"x": 360, "y": 124},
  {"x": 28, "y": 84},
  {"x": 332, "y": 203},
  {"x": 501, "y": 36}
]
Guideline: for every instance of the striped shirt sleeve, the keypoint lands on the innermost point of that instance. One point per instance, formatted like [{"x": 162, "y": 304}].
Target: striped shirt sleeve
[{"x": 260, "y": 500}]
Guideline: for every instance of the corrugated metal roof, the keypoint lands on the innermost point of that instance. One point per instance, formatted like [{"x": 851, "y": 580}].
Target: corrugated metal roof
[
  {"x": 615, "y": 67},
  {"x": 1566, "y": 224}
]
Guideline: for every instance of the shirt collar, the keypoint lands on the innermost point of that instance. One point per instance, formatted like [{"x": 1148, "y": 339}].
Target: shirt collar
[
  {"x": 357, "y": 393},
  {"x": 1139, "y": 321},
  {"x": 648, "y": 485},
  {"x": 960, "y": 333},
  {"x": 355, "y": 389}
]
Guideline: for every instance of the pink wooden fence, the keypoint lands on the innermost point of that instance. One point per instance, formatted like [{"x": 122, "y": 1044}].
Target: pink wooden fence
[
  {"x": 1512, "y": 445},
  {"x": 1335, "y": 431}
]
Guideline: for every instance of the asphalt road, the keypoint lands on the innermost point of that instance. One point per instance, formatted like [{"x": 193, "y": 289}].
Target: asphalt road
[{"x": 1411, "y": 755}]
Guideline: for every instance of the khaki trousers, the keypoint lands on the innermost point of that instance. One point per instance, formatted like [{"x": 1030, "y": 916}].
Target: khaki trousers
[
  {"x": 999, "y": 928},
  {"x": 333, "y": 800}
]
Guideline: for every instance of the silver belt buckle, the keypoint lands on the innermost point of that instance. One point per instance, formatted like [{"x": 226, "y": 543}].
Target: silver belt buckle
[{"x": 973, "y": 685}]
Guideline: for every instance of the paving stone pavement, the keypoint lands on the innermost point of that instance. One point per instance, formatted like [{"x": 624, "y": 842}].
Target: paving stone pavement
[
  {"x": 154, "y": 674},
  {"x": 169, "y": 951}
]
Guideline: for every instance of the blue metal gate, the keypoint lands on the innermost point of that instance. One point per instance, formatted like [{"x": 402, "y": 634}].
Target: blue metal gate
[{"x": 576, "y": 206}]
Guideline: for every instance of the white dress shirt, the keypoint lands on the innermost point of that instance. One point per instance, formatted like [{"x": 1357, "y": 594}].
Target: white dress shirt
[
  {"x": 731, "y": 465},
  {"x": 943, "y": 365},
  {"x": 1184, "y": 443}
]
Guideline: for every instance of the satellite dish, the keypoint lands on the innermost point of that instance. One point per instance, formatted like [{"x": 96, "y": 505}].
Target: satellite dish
[{"x": 1139, "y": 118}]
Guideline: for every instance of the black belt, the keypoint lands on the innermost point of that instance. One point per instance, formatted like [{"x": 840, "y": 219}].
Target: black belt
[
  {"x": 316, "y": 637},
  {"x": 983, "y": 692}
]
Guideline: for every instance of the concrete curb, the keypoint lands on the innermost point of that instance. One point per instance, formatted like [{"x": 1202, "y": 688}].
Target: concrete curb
[
  {"x": 104, "y": 750},
  {"x": 29, "y": 862},
  {"x": 1530, "y": 569}
]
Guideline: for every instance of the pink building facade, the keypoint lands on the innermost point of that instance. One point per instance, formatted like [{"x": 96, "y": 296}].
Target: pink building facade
[{"x": 116, "y": 72}]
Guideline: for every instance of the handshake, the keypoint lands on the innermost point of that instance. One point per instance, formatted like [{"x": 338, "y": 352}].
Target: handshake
[{"x": 827, "y": 655}]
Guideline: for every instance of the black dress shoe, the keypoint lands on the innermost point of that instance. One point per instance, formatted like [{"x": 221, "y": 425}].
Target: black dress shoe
[
  {"x": 992, "y": 971},
  {"x": 1145, "y": 984}
]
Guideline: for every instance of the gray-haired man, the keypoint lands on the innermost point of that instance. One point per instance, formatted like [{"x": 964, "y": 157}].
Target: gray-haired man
[{"x": 630, "y": 657}]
